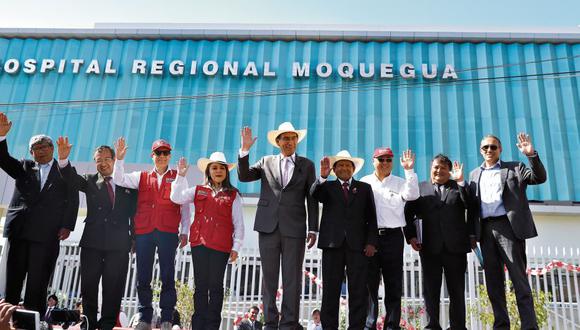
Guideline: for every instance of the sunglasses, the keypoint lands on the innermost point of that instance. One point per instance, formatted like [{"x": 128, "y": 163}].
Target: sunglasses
[
  {"x": 162, "y": 152},
  {"x": 383, "y": 160},
  {"x": 491, "y": 147}
]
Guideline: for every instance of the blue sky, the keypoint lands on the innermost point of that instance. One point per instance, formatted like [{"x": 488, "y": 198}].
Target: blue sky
[{"x": 462, "y": 15}]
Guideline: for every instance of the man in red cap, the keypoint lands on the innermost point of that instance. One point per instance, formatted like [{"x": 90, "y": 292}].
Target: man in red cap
[
  {"x": 157, "y": 226},
  {"x": 390, "y": 193}
]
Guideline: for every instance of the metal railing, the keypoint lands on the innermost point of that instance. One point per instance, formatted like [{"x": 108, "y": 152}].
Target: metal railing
[{"x": 552, "y": 270}]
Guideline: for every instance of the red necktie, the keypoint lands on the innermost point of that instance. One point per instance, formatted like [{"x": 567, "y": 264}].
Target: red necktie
[
  {"x": 110, "y": 190},
  {"x": 345, "y": 190}
]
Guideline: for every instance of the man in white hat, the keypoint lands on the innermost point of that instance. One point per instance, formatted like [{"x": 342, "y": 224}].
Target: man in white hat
[
  {"x": 348, "y": 236},
  {"x": 42, "y": 212},
  {"x": 281, "y": 219},
  {"x": 391, "y": 193}
]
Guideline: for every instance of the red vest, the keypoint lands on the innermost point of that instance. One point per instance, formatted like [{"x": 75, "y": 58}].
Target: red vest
[
  {"x": 213, "y": 223},
  {"x": 154, "y": 208}
]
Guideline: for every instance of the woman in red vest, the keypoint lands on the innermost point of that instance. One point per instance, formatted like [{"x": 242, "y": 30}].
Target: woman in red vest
[{"x": 215, "y": 236}]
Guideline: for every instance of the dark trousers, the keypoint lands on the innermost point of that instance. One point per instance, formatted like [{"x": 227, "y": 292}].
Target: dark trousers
[
  {"x": 34, "y": 261},
  {"x": 275, "y": 248},
  {"x": 145, "y": 246},
  {"x": 388, "y": 261},
  {"x": 209, "y": 267},
  {"x": 454, "y": 266},
  {"x": 111, "y": 267},
  {"x": 500, "y": 247},
  {"x": 334, "y": 261}
]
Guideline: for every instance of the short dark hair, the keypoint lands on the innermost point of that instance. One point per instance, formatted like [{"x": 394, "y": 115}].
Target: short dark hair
[
  {"x": 105, "y": 147},
  {"x": 280, "y": 135},
  {"x": 491, "y": 136},
  {"x": 444, "y": 159},
  {"x": 53, "y": 297},
  {"x": 342, "y": 160},
  {"x": 256, "y": 308},
  {"x": 316, "y": 311}
]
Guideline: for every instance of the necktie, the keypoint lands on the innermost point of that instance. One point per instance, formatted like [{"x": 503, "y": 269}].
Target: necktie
[
  {"x": 285, "y": 171},
  {"x": 441, "y": 191},
  {"x": 110, "y": 190},
  {"x": 44, "y": 170},
  {"x": 345, "y": 190}
]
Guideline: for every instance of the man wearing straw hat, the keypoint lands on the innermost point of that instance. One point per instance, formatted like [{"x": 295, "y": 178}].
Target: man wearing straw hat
[
  {"x": 348, "y": 236},
  {"x": 281, "y": 219}
]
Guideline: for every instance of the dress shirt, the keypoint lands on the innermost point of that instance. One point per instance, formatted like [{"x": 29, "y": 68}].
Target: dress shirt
[
  {"x": 283, "y": 167},
  {"x": 44, "y": 171},
  {"x": 490, "y": 191},
  {"x": 181, "y": 194},
  {"x": 131, "y": 181},
  {"x": 390, "y": 195}
]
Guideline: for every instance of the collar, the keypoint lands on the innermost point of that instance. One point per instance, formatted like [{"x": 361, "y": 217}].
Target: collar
[
  {"x": 385, "y": 178},
  {"x": 292, "y": 157},
  {"x": 101, "y": 178},
  {"x": 154, "y": 170},
  {"x": 349, "y": 181},
  {"x": 49, "y": 164},
  {"x": 496, "y": 166}
]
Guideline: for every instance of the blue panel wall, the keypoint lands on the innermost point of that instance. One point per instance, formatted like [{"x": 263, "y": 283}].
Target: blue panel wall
[{"x": 358, "y": 115}]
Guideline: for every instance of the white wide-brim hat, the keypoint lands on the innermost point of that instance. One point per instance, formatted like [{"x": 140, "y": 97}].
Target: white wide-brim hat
[
  {"x": 216, "y": 157},
  {"x": 345, "y": 155},
  {"x": 285, "y": 127}
]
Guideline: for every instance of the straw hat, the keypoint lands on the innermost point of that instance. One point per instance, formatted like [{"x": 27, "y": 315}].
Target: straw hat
[
  {"x": 216, "y": 157},
  {"x": 285, "y": 127},
  {"x": 345, "y": 155}
]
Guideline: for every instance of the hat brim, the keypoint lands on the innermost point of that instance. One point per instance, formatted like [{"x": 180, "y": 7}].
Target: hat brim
[
  {"x": 203, "y": 163},
  {"x": 358, "y": 163},
  {"x": 272, "y": 135}
]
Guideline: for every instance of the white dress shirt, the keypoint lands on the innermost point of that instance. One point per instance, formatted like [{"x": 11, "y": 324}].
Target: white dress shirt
[
  {"x": 390, "y": 195},
  {"x": 181, "y": 194},
  {"x": 131, "y": 180},
  {"x": 491, "y": 191}
]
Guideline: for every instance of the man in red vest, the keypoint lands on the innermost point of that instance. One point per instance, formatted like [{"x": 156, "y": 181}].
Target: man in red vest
[{"x": 157, "y": 226}]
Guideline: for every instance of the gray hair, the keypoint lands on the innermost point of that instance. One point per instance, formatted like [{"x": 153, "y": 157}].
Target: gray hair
[{"x": 40, "y": 138}]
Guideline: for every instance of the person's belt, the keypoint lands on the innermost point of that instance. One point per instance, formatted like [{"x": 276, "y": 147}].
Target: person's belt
[
  {"x": 386, "y": 231},
  {"x": 498, "y": 218}
]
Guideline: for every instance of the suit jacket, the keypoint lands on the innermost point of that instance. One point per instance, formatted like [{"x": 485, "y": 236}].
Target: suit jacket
[
  {"x": 106, "y": 227},
  {"x": 515, "y": 178},
  {"x": 35, "y": 214},
  {"x": 443, "y": 221},
  {"x": 246, "y": 325},
  {"x": 353, "y": 221},
  {"x": 283, "y": 208}
]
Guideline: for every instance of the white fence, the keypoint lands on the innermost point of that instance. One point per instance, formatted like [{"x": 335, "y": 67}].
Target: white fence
[{"x": 552, "y": 270}]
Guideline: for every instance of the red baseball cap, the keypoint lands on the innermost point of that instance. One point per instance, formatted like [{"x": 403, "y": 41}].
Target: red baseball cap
[
  {"x": 383, "y": 151},
  {"x": 160, "y": 144}
]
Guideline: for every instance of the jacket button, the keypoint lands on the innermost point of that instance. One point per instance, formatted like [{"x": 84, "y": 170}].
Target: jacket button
[
  {"x": 100, "y": 207},
  {"x": 152, "y": 206},
  {"x": 105, "y": 220}
]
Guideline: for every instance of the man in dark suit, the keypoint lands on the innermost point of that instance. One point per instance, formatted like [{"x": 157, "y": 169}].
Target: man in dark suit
[
  {"x": 444, "y": 242},
  {"x": 251, "y": 323},
  {"x": 348, "y": 236},
  {"x": 43, "y": 211},
  {"x": 106, "y": 239},
  {"x": 281, "y": 219},
  {"x": 503, "y": 221}
]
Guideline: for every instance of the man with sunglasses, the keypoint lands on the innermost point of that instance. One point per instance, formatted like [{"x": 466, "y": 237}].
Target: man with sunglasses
[
  {"x": 503, "y": 221},
  {"x": 159, "y": 224},
  {"x": 390, "y": 193}
]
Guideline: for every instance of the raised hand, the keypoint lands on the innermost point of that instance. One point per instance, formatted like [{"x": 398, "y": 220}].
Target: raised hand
[
  {"x": 182, "y": 166},
  {"x": 64, "y": 147},
  {"x": 121, "y": 148},
  {"x": 325, "y": 167},
  {"x": 247, "y": 139},
  {"x": 5, "y": 124},
  {"x": 525, "y": 144},
  {"x": 457, "y": 172},
  {"x": 408, "y": 159}
]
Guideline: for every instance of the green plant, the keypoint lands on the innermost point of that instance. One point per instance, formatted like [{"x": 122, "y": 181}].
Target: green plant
[
  {"x": 482, "y": 308},
  {"x": 184, "y": 305}
]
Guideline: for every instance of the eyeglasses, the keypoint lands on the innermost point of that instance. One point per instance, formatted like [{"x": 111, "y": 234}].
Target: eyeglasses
[
  {"x": 162, "y": 152},
  {"x": 382, "y": 160},
  {"x": 491, "y": 147}
]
